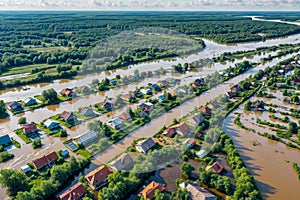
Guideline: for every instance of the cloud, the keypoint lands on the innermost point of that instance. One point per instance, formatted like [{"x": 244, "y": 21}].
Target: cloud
[{"x": 153, "y": 4}]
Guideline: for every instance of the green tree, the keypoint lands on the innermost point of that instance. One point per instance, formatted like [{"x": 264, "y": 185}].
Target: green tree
[
  {"x": 14, "y": 181},
  {"x": 187, "y": 169},
  {"x": 295, "y": 99},
  {"x": 3, "y": 112},
  {"x": 293, "y": 128},
  {"x": 37, "y": 143},
  {"x": 248, "y": 105},
  {"x": 22, "y": 120},
  {"x": 50, "y": 96}
]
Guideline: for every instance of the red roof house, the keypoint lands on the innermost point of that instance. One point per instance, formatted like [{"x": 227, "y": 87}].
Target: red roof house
[
  {"x": 73, "y": 193},
  {"x": 205, "y": 110},
  {"x": 98, "y": 177},
  {"x": 46, "y": 160},
  {"x": 170, "y": 132},
  {"x": 216, "y": 168},
  {"x": 149, "y": 191},
  {"x": 29, "y": 128},
  {"x": 125, "y": 117}
]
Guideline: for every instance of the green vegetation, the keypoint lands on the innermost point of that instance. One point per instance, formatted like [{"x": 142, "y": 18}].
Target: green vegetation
[
  {"x": 22, "y": 120},
  {"x": 37, "y": 143},
  {"x": 295, "y": 166},
  {"x": 20, "y": 133},
  {"x": 187, "y": 169},
  {"x": 3, "y": 112},
  {"x": 5, "y": 156}
]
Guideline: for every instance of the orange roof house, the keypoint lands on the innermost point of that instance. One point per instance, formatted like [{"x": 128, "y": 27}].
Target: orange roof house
[
  {"x": 125, "y": 117},
  {"x": 183, "y": 129},
  {"x": 170, "y": 132},
  {"x": 73, "y": 193},
  {"x": 98, "y": 177},
  {"x": 67, "y": 92},
  {"x": 216, "y": 168},
  {"x": 149, "y": 191},
  {"x": 47, "y": 159}
]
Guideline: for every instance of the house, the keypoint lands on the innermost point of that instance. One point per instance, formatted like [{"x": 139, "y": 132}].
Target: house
[
  {"x": 87, "y": 138},
  {"x": 113, "y": 82},
  {"x": 124, "y": 162},
  {"x": 87, "y": 112},
  {"x": 107, "y": 105},
  {"x": 84, "y": 89},
  {"x": 162, "y": 83},
  {"x": 114, "y": 101},
  {"x": 198, "y": 82},
  {"x": 115, "y": 123},
  {"x": 201, "y": 154},
  {"x": 15, "y": 106},
  {"x": 46, "y": 160},
  {"x": 145, "y": 145},
  {"x": 196, "y": 120},
  {"x": 149, "y": 73},
  {"x": 183, "y": 129},
  {"x": 216, "y": 168},
  {"x": 146, "y": 105},
  {"x": 155, "y": 87},
  {"x": 146, "y": 91},
  {"x": 178, "y": 93},
  {"x": 161, "y": 98},
  {"x": 173, "y": 81},
  {"x": 126, "y": 97},
  {"x": 205, "y": 110},
  {"x": 30, "y": 101},
  {"x": 235, "y": 88},
  {"x": 190, "y": 143},
  {"x": 125, "y": 117},
  {"x": 196, "y": 192},
  {"x": 75, "y": 192},
  {"x": 149, "y": 191},
  {"x": 170, "y": 132},
  {"x": 67, "y": 92},
  {"x": 137, "y": 94},
  {"x": 98, "y": 177},
  {"x": 30, "y": 128},
  {"x": 51, "y": 124},
  {"x": 69, "y": 117},
  {"x": 5, "y": 140}
]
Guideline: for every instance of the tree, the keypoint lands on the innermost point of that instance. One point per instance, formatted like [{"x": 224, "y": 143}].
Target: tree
[
  {"x": 3, "y": 112},
  {"x": 247, "y": 105},
  {"x": 293, "y": 128},
  {"x": 37, "y": 143},
  {"x": 14, "y": 181},
  {"x": 187, "y": 169},
  {"x": 295, "y": 99},
  {"x": 50, "y": 96},
  {"x": 130, "y": 112},
  {"x": 22, "y": 120}
]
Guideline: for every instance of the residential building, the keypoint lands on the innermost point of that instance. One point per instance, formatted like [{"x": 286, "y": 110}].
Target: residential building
[
  {"x": 146, "y": 91},
  {"x": 196, "y": 192},
  {"x": 126, "y": 97},
  {"x": 115, "y": 123},
  {"x": 25, "y": 169},
  {"x": 30, "y": 128},
  {"x": 87, "y": 112},
  {"x": 51, "y": 124},
  {"x": 30, "y": 101},
  {"x": 69, "y": 117},
  {"x": 196, "y": 120},
  {"x": 125, "y": 117},
  {"x": 190, "y": 143},
  {"x": 98, "y": 177},
  {"x": 149, "y": 191},
  {"x": 76, "y": 192},
  {"x": 145, "y": 145},
  {"x": 5, "y": 140},
  {"x": 201, "y": 154},
  {"x": 107, "y": 105},
  {"x": 87, "y": 138},
  {"x": 124, "y": 162},
  {"x": 216, "y": 168},
  {"x": 205, "y": 110},
  {"x": 67, "y": 92},
  {"x": 15, "y": 106},
  {"x": 170, "y": 132},
  {"x": 46, "y": 160},
  {"x": 183, "y": 129}
]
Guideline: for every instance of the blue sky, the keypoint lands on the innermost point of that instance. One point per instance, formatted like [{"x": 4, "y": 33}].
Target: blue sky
[{"x": 151, "y": 4}]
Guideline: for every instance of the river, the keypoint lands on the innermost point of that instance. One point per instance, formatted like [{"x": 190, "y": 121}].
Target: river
[{"x": 26, "y": 153}]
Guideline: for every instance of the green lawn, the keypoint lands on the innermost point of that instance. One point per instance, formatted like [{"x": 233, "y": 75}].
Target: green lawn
[{"x": 20, "y": 133}]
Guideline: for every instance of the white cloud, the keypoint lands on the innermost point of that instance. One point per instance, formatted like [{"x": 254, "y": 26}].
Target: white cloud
[{"x": 153, "y": 4}]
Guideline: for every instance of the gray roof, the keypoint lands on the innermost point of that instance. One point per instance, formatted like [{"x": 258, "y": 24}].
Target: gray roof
[
  {"x": 48, "y": 122},
  {"x": 86, "y": 136},
  {"x": 27, "y": 100},
  {"x": 145, "y": 145},
  {"x": 5, "y": 139},
  {"x": 196, "y": 192},
  {"x": 123, "y": 162},
  {"x": 197, "y": 119}
]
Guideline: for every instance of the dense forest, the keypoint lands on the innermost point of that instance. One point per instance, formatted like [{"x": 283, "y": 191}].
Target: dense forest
[{"x": 37, "y": 42}]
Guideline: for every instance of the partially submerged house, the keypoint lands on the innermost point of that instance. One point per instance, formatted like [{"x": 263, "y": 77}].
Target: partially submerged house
[
  {"x": 196, "y": 120},
  {"x": 149, "y": 191},
  {"x": 69, "y": 117},
  {"x": 145, "y": 145},
  {"x": 30, "y": 101},
  {"x": 216, "y": 168},
  {"x": 67, "y": 92},
  {"x": 124, "y": 162},
  {"x": 46, "y": 160},
  {"x": 29, "y": 128},
  {"x": 87, "y": 138},
  {"x": 76, "y": 192},
  {"x": 183, "y": 129},
  {"x": 196, "y": 192},
  {"x": 125, "y": 117},
  {"x": 98, "y": 177},
  {"x": 51, "y": 124},
  {"x": 115, "y": 123},
  {"x": 87, "y": 112},
  {"x": 170, "y": 132},
  {"x": 15, "y": 106},
  {"x": 5, "y": 140}
]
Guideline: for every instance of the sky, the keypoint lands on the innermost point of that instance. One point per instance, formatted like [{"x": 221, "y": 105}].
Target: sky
[{"x": 150, "y": 5}]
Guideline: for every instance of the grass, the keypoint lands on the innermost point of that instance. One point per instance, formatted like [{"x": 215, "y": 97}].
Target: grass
[
  {"x": 27, "y": 140},
  {"x": 49, "y": 132},
  {"x": 16, "y": 144},
  {"x": 84, "y": 153},
  {"x": 58, "y": 119}
]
